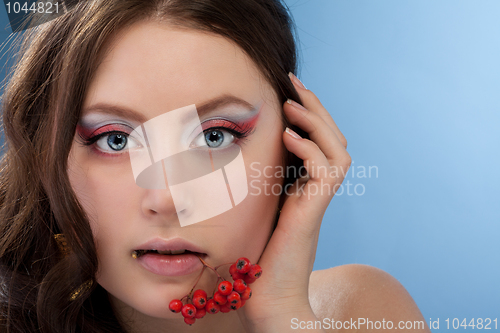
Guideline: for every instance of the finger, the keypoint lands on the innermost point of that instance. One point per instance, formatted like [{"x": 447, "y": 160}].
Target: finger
[
  {"x": 306, "y": 202},
  {"x": 318, "y": 131},
  {"x": 311, "y": 102},
  {"x": 316, "y": 165}
]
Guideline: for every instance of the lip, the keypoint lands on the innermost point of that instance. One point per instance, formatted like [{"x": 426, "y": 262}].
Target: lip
[
  {"x": 173, "y": 244},
  {"x": 170, "y": 265}
]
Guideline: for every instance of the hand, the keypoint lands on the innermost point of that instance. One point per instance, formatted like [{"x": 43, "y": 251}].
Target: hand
[{"x": 287, "y": 262}]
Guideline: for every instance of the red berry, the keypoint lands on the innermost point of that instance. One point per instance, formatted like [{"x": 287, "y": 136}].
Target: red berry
[
  {"x": 255, "y": 271},
  {"x": 234, "y": 273},
  {"x": 225, "y": 308},
  {"x": 225, "y": 288},
  {"x": 243, "y": 265},
  {"x": 189, "y": 321},
  {"x": 243, "y": 301},
  {"x": 212, "y": 306},
  {"x": 239, "y": 286},
  {"x": 248, "y": 279},
  {"x": 188, "y": 311},
  {"x": 219, "y": 298},
  {"x": 199, "y": 301},
  {"x": 175, "y": 306},
  {"x": 200, "y": 292},
  {"x": 247, "y": 294},
  {"x": 236, "y": 305},
  {"x": 200, "y": 313},
  {"x": 233, "y": 298}
]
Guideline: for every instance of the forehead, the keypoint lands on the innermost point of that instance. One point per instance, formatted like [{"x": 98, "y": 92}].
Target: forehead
[{"x": 154, "y": 67}]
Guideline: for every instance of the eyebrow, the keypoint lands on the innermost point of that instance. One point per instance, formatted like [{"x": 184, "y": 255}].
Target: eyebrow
[{"x": 205, "y": 107}]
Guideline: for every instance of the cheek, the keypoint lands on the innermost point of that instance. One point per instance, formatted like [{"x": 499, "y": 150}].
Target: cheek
[
  {"x": 105, "y": 191},
  {"x": 265, "y": 161},
  {"x": 252, "y": 221}
]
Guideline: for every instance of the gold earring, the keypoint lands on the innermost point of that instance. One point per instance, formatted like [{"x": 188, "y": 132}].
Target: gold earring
[
  {"x": 83, "y": 287},
  {"x": 62, "y": 244},
  {"x": 64, "y": 248}
]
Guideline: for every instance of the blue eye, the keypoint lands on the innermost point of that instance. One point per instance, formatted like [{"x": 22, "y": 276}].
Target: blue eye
[
  {"x": 214, "y": 138},
  {"x": 222, "y": 133},
  {"x": 117, "y": 141}
]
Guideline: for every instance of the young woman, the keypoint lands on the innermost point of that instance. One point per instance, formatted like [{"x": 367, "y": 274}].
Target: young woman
[{"x": 86, "y": 82}]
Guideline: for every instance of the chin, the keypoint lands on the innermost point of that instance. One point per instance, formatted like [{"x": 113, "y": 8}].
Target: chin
[
  {"x": 161, "y": 313},
  {"x": 156, "y": 307}
]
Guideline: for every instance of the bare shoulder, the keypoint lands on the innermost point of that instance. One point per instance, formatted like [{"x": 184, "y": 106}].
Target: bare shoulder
[{"x": 349, "y": 292}]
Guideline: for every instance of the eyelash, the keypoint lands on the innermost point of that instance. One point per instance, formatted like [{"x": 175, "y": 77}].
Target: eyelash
[
  {"x": 240, "y": 132},
  {"x": 90, "y": 141}
]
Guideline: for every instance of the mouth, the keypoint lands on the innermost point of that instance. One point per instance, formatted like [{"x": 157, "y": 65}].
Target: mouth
[
  {"x": 139, "y": 253},
  {"x": 174, "y": 257}
]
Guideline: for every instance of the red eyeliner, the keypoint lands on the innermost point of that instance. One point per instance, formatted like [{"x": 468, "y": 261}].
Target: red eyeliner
[
  {"x": 90, "y": 136},
  {"x": 243, "y": 127},
  {"x": 83, "y": 132},
  {"x": 88, "y": 133}
]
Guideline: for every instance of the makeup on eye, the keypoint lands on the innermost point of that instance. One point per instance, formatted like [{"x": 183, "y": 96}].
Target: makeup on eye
[
  {"x": 211, "y": 128},
  {"x": 90, "y": 136},
  {"x": 107, "y": 137},
  {"x": 108, "y": 140},
  {"x": 243, "y": 122}
]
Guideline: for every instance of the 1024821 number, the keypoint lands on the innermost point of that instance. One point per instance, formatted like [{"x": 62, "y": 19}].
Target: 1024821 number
[
  {"x": 40, "y": 7},
  {"x": 473, "y": 323}
]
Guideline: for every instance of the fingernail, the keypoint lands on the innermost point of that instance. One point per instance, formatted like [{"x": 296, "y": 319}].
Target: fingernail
[
  {"x": 296, "y": 80},
  {"x": 297, "y": 105},
  {"x": 292, "y": 133}
]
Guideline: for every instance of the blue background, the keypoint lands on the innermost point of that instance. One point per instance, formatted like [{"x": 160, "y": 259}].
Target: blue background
[{"x": 414, "y": 87}]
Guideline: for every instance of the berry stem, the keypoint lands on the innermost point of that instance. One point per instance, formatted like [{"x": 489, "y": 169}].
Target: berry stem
[
  {"x": 213, "y": 269},
  {"x": 198, "y": 279}
]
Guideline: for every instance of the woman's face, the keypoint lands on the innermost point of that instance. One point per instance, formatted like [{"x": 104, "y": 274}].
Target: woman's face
[{"x": 149, "y": 70}]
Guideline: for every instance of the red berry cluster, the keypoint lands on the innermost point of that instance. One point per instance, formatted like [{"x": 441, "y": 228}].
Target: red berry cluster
[{"x": 226, "y": 297}]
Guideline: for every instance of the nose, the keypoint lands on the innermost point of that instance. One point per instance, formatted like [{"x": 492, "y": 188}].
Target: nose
[
  {"x": 160, "y": 204},
  {"x": 157, "y": 200}
]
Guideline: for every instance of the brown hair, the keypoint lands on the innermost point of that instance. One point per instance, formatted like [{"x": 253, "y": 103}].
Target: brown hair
[{"x": 41, "y": 107}]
